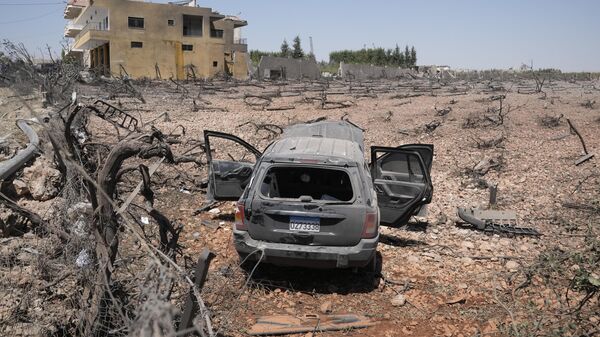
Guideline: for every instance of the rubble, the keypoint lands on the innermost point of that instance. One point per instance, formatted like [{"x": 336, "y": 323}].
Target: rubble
[
  {"x": 42, "y": 179},
  {"x": 441, "y": 262},
  {"x": 398, "y": 300}
]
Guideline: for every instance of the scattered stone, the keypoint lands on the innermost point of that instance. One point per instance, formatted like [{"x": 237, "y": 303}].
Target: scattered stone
[
  {"x": 460, "y": 299},
  {"x": 215, "y": 211},
  {"x": 42, "y": 179},
  {"x": 20, "y": 187},
  {"x": 512, "y": 265},
  {"x": 325, "y": 308},
  {"x": 485, "y": 246},
  {"x": 487, "y": 164},
  {"x": 83, "y": 259},
  {"x": 399, "y": 300},
  {"x": 413, "y": 259},
  {"x": 467, "y": 261},
  {"x": 441, "y": 219},
  {"x": 467, "y": 244}
]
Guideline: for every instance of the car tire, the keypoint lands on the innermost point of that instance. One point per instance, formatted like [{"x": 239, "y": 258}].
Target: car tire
[{"x": 373, "y": 268}]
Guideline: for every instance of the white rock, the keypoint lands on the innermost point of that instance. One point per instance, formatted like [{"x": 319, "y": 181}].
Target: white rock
[
  {"x": 20, "y": 187},
  {"x": 83, "y": 259},
  {"x": 467, "y": 244},
  {"x": 485, "y": 246},
  {"x": 413, "y": 259},
  {"x": 512, "y": 265},
  {"x": 215, "y": 211},
  {"x": 42, "y": 180},
  {"x": 399, "y": 300}
]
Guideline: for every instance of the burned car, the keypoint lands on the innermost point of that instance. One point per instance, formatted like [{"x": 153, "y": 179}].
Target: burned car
[{"x": 310, "y": 199}]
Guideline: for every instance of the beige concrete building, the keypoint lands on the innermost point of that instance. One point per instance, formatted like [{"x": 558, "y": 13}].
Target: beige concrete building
[{"x": 143, "y": 39}]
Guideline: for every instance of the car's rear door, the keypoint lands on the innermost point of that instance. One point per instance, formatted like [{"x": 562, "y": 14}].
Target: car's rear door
[
  {"x": 401, "y": 180},
  {"x": 227, "y": 179}
]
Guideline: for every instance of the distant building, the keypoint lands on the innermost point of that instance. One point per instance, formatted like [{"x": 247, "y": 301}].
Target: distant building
[
  {"x": 271, "y": 67},
  {"x": 145, "y": 39}
]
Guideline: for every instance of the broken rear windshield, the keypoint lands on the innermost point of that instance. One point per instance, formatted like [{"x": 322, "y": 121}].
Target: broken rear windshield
[{"x": 292, "y": 182}]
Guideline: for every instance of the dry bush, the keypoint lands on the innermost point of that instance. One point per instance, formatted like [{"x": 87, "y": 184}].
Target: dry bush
[
  {"x": 550, "y": 121},
  {"x": 54, "y": 80},
  {"x": 572, "y": 283}
]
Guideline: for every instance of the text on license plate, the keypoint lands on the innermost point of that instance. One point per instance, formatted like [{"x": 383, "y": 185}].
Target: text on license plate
[{"x": 305, "y": 224}]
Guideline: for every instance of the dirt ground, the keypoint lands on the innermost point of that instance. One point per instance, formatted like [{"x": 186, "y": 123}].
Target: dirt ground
[{"x": 455, "y": 281}]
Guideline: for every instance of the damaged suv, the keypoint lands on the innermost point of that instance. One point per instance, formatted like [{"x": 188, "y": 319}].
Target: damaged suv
[{"x": 310, "y": 199}]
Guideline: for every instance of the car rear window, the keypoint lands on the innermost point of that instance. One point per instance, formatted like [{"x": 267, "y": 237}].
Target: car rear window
[{"x": 292, "y": 182}]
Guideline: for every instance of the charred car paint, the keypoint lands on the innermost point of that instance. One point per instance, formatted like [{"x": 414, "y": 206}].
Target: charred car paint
[{"x": 310, "y": 199}]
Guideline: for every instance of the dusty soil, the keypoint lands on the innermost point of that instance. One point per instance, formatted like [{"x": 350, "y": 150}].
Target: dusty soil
[{"x": 456, "y": 281}]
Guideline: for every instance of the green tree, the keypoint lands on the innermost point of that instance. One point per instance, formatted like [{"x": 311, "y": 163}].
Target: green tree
[
  {"x": 407, "y": 56},
  {"x": 413, "y": 56},
  {"x": 285, "y": 49},
  {"x": 297, "y": 51},
  {"x": 396, "y": 60}
]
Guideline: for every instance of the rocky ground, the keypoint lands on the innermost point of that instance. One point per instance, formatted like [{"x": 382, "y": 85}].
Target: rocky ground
[{"x": 439, "y": 278}]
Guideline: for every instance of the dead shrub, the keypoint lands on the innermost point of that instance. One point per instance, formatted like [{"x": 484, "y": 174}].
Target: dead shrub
[
  {"x": 550, "y": 121},
  {"x": 489, "y": 143},
  {"x": 588, "y": 104}
]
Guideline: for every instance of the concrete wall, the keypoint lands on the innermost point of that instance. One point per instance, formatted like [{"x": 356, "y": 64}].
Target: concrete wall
[
  {"x": 288, "y": 67},
  {"x": 366, "y": 72},
  {"x": 162, "y": 44}
]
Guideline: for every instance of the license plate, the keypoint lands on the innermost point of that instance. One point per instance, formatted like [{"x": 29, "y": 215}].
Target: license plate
[{"x": 305, "y": 224}]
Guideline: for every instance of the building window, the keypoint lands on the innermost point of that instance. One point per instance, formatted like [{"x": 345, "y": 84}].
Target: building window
[
  {"x": 192, "y": 25},
  {"x": 216, "y": 33},
  {"x": 215, "y": 64},
  {"x": 135, "y": 22},
  {"x": 171, "y": 22},
  {"x": 136, "y": 44},
  {"x": 187, "y": 47}
]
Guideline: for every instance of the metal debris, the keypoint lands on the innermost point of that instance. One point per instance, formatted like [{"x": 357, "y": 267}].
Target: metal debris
[
  {"x": 495, "y": 221},
  {"x": 192, "y": 305},
  {"x": 12, "y": 165},
  {"x": 112, "y": 113},
  {"x": 587, "y": 156},
  {"x": 286, "y": 324}
]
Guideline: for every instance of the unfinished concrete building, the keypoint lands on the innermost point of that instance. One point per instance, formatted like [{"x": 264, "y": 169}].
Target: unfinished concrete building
[
  {"x": 274, "y": 68},
  {"x": 143, "y": 39},
  {"x": 370, "y": 72}
]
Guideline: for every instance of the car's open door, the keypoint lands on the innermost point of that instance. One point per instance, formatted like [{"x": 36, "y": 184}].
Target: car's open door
[
  {"x": 401, "y": 180},
  {"x": 227, "y": 179}
]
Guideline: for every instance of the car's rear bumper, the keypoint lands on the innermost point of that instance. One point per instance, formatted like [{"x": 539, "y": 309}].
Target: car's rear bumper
[{"x": 304, "y": 255}]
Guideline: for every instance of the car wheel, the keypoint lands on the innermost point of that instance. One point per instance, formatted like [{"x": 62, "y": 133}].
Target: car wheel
[{"x": 374, "y": 268}]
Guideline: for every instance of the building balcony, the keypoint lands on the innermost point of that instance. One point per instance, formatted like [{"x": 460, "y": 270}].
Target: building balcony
[
  {"x": 71, "y": 30},
  {"x": 74, "y": 8},
  {"x": 92, "y": 35},
  {"x": 240, "y": 45}
]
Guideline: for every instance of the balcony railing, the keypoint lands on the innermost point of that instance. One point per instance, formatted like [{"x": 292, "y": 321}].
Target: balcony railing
[
  {"x": 240, "y": 41},
  {"x": 81, "y": 3},
  {"x": 100, "y": 25}
]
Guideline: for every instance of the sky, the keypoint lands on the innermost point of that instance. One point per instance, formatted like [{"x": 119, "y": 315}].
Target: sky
[{"x": 461, "y": 33}]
